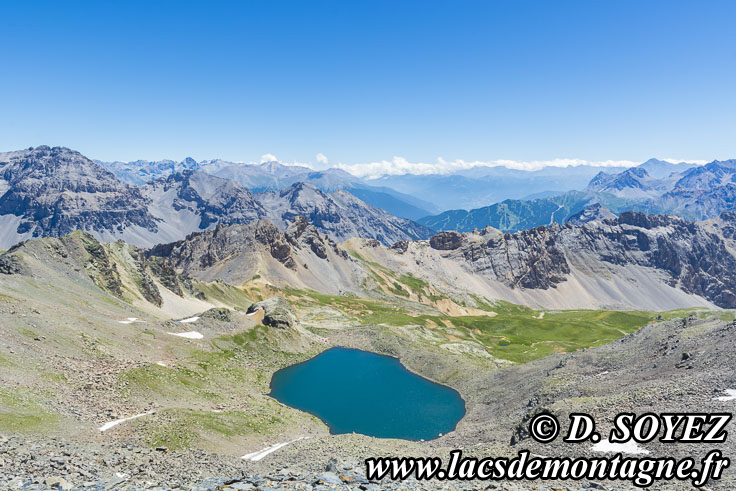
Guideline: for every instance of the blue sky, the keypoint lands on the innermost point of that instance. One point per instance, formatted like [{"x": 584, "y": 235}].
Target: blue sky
[{"x": 365, "y": 82}]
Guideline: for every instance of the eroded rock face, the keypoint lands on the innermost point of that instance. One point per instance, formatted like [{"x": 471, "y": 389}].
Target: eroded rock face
[
  {"x": 55, "y": 191},
  {"x": 221, "y": 314},
  {"x": 528, "y": 259},
  {"x": 244, "y": 244},
  {"x": 691, "y": 257},
  {"x": 268, "y": 235},
  {"x": 277, "y": 312},
  {"x": 401, "y": 246},
  {"x": 213, "y": 199},
  {"x": 299, "y": 232},
  {"x": 446, "y": 241}
]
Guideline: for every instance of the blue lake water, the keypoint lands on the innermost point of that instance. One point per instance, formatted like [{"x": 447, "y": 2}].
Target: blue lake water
[{"x": 357, "y": 391}]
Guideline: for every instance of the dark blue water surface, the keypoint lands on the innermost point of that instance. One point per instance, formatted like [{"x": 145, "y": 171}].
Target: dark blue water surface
[{"x": 357, "y": 391}]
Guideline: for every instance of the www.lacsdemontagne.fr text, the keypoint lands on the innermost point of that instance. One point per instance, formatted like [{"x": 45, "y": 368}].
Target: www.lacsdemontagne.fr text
[{"x": 641, "y": 471}]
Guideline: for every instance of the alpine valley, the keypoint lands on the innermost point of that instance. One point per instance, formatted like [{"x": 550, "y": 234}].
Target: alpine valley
[{"x": 145, "y": 306}]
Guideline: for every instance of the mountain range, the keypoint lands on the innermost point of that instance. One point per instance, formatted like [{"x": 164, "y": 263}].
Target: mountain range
[
  {"x": 408, "y": 196},
  {"x": 692, "y": 192},
  {"x": 272, "y": 175},
  {"x": 54, "y": 191}
]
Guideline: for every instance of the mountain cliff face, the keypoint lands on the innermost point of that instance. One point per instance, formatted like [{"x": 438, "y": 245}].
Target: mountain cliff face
[
  {"x": 299, "y": 257},
  {"x": 686, "y": 255},
  {"x": 54, "y": 191},
  {"x": 212, "y": 199},
  {"x": 340, "y": 215}
]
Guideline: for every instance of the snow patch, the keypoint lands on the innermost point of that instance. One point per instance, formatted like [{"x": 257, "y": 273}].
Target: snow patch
[
  {"x": 130, "y": 320},
  {"x": 256, "y": 456},
  {"x": 189, "y": 320},
  {"x": 161, "y": 364},
  {"x": 730, "y": 397},
  {"x": 188, "y": 335},
  {"x": 109, "y": 425},
  {"x": 630, "y": 447}
]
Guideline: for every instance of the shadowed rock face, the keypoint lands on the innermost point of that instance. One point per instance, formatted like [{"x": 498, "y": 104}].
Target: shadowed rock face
[
  {"x": 692, "y": 258},
  {"x": 446, "y": 241},
  {"x": 56, "y": 191}
]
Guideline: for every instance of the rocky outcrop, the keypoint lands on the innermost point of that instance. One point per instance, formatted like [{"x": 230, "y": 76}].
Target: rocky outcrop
[
  {"x": 278, "y": 245},
  {"x": 528, "y": 259},
  {"x": 245, "y": 245},
  {"x": 401, "y": 246},
  {"x": 100, "y": 267},
  {"x": 144, "y": 281},
  {"x": 446, "y": 241},
  {"x": 277, "y": 312},
  {"x": 10, "y": 264},
  {"x": 220, "y": 314},
  {"x": 300, "y": 233},
  {"x": 168, "y": 277}
]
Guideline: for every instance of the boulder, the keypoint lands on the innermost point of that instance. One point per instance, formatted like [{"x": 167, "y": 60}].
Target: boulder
[
  {"x": 221, "y": 314},
  {"x": 277, "y": 312}
]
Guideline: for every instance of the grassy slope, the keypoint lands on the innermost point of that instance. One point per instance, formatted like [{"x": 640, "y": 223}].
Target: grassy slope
[{"x": 516, "y": 333}]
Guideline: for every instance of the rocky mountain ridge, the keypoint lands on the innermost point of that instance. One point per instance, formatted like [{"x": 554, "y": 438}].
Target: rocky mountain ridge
[
  {"x": 273, "y": 175},
  {"x": 212, "y": 199},
  {"x": 339, "y": 214},
  {"x": 692, "y": 258},
  {"x": 54, "y": 191},
  {"x": 299, "y": 256},
  {"x": 695, "y": 193},
  {"x": 631, "y": 261}
]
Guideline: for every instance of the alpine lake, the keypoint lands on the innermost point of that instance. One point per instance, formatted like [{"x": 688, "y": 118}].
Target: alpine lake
[{"x": 354, "y": 391}]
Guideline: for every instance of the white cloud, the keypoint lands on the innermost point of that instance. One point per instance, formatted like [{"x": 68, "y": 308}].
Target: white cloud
[
  {"x": 690, "y": 161},
  {"x": 400, "y": 166},
  {"x": 322, "y": 158}
]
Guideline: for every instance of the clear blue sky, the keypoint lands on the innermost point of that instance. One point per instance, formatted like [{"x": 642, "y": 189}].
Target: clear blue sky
[{"x": 365, "y": 81}]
